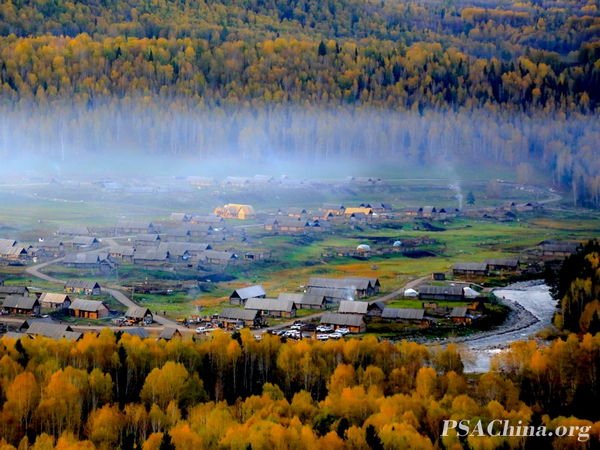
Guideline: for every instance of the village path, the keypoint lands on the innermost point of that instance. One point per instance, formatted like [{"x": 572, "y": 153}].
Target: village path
[
  {"x": 117, "y": 295},
  {"x": 386, "y": 298}
]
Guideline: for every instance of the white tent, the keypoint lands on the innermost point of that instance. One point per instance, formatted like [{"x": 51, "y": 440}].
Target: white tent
[
  {"x": 410, "y": 293},
  {"x": 470, "y": 293}
]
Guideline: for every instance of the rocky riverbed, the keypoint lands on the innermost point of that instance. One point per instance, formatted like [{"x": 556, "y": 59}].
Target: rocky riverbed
[{"x": 532, "y": 309}]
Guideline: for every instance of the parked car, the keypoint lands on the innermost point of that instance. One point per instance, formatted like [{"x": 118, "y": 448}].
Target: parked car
[
  {"x": 201, "y": 330},
  {"x": 322, "y": 337},
  {"x": 335, "y": 335},
  {"x": 343, "y": 331},
  {"x": 324, "y": 329}
]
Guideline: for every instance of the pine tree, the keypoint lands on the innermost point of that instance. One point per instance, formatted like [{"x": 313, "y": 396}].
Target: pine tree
[
  {"x": 470, "y": 198},
  {"x": 322, "y": 49},
  {"x": 165, "y": 443},
  {"x": 372, "y": 438}
]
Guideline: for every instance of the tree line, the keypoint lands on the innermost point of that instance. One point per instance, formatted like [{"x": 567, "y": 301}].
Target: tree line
[{"x": 112, "y": 391}]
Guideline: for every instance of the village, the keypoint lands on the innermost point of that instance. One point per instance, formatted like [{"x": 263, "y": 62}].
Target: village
[{"x": 233, "y": 237}]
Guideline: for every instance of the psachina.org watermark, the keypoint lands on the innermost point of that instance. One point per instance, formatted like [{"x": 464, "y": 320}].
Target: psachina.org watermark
[{"x": 505, "y": 428}]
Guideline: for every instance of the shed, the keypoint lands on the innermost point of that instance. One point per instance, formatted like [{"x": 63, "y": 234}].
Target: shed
[
  {"x": 354, "y": 322},
  {"x": 127, "y": 226},
  {"x": 139, "y": 314},
  {"x": 239, "y": 296},
  {"x": 352, "y": 307},
  {"x": 459, "y": 314},
  {"x": 88, "y": 309},
  {"x": 503, "y": 264},
  {"x": 235, "y": 316},
  {"x": 413, "y": 211},
  {"x": 53, "y": 331},
  {"x": 404, "y": 314},
  {"x": 55, "y": 301},
  {"x": 67, "y": 230},
  {"x": 272, "y": 307},
  {"x": 147, "y": 239},
  {"x": 470, "y": 268},
  {"x": 335, "y": 209},
  {"x": 444, "y": 293},
  {"x": 169, "y": 333},
  {"x": 305, "y": 301},
  {"x": 17, "y": 304},
  {"x": 180, "y": 217},
  {"x": 85, "y": 241},
  {"x": 13, "y": 290},
  {"x": 142, "y": 333}
]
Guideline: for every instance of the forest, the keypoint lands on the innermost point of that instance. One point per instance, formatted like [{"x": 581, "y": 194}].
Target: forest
[
  {"x": 112, "y": 391},
  {"x": 425, "y": 82}
]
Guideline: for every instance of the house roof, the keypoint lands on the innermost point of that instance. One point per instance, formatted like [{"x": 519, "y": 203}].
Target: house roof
[
  {"x": 147, "y": 237},
  {"x": 440, "y": 290},
  {"x": 502, "y": 262},
  {"x": 365, "y": 211},
  {"x": 413, "y": 209},
  {"x": 429, "y": 209},
  {"x": 14, "y": 290},
  {"x": 249, "y": 292},
  {"x": 403, "y": 313},
  {"x": 338, "y": 294},
  {"x": 138, "y": 312},
  {"x": 151, "y": 255},
  {"x": 82, "y": 284},
  {"x": 11, "y": 250},
  {"x": 291, "y": 222},
  {"x": 353, "y": 307},
  {"x": 21, "y": 302},
  {"x": 294, "y": 210},
  {"x": 168, "y": 333},
  {"x": 353, "y": 320},
  {"x": 239, "y": 314},
  {"x": 179, "y": 232},
  {"x": 50, "y": 297},
  {"x": 50, "y": 330},
  {"x": 563, "y": 247},
  {"x": 7, "y": 242},
  {"x": 84, "y": 240},
  {"x": 137, "y": 331},
  {"x": 459, "y": 311},
  {"x": 133, "y": 224},
  {"x": 86, "y": 305},
  {"x": 352, "y": 283},
  {"x": 302, "y": 299},
  {"x": 122, "y": 250},
  {"x": 215, "y": 254},
  {"x": 270, "y": 304},
  {"x": 208, "y": 219},
  {"x": 332, "y": 206},
  {"x": 180, "y": 217},
  {"x": 14, "y": 335},
  {"x": 65, "y": 229},
  {"x": 173, "y": 248},
  {"x": 85, "y": 258},
  {"x": 470, "y": 266}
]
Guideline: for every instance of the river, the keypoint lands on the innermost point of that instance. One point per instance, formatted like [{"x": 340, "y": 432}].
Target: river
[{"x": 533, "y": 308}]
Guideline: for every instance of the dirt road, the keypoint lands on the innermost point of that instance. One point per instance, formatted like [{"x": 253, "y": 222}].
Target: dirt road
[{"x": 117, "y": 295}]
